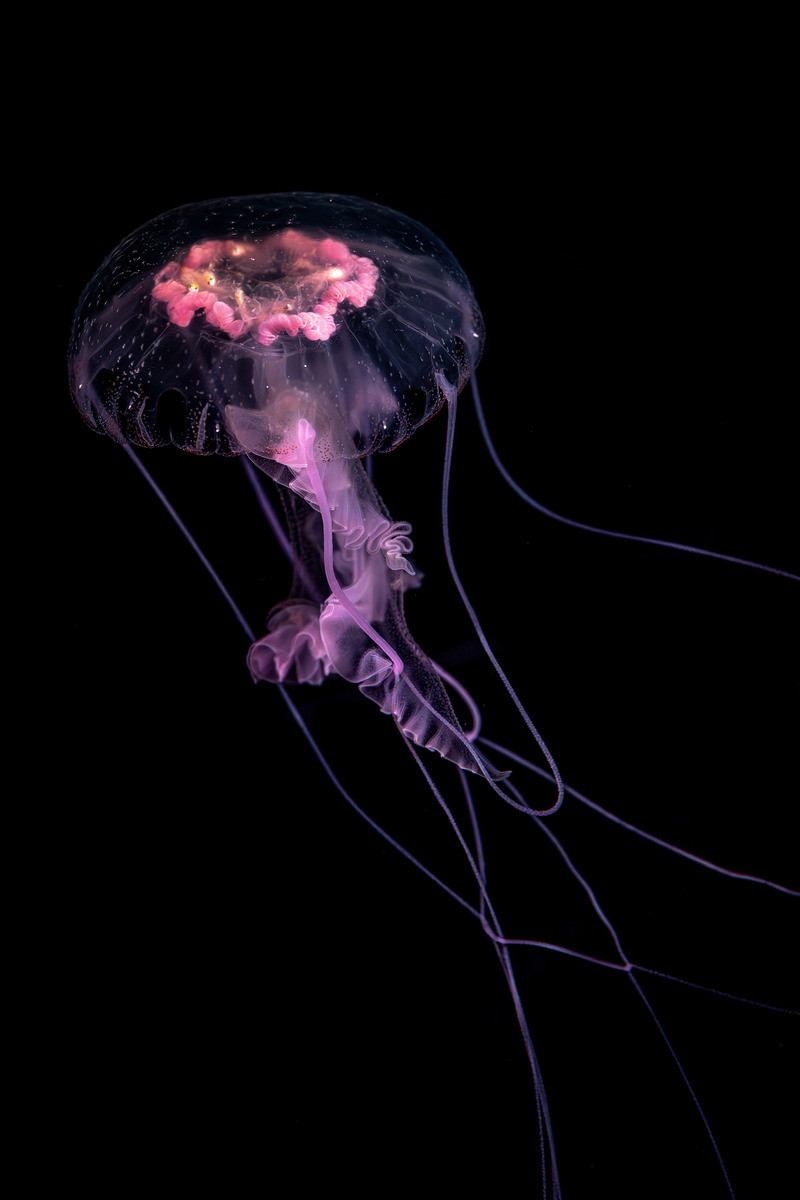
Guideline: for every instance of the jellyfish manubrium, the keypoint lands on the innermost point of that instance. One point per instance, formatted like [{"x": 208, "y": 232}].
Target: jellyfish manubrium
[{"x": 305, "y": 333}]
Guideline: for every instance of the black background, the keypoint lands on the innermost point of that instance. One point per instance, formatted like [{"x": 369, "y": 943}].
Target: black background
[{"x": 242, "y": 978}]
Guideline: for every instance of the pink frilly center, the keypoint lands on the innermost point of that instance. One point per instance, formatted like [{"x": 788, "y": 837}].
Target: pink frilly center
[{"x": 196, "y": 285}]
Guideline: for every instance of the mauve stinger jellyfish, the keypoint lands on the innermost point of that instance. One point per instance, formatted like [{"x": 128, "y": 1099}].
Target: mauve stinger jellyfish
[{"x": 305, "y": 332}]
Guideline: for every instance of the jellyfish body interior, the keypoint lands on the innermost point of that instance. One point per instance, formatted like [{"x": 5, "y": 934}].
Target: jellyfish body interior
[{"x": 305, "y": 333}]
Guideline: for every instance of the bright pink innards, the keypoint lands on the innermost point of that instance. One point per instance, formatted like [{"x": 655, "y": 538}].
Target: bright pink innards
[{"x": 289, "y": 283}]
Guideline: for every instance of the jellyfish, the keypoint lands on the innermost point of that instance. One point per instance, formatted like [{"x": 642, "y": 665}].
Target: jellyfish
[
  {"x": 305, "y": 340},
  {"x": 307, "y": 335}
]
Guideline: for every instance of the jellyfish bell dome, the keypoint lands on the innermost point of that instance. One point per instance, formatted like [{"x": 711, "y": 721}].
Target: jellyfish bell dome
[{"x": 219, "y": 325}]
